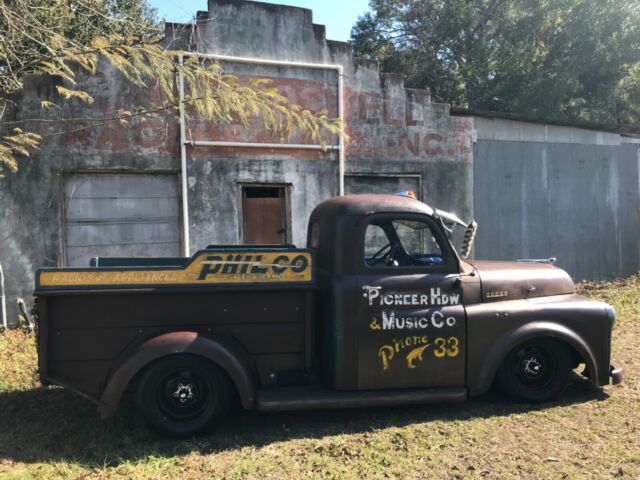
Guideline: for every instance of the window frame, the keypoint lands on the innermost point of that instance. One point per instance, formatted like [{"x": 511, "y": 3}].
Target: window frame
[{"x": 451, "y": 262}]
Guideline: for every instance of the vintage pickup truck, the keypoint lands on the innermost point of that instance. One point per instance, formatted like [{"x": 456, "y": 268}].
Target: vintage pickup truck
[{"x": 378, "y": 310}]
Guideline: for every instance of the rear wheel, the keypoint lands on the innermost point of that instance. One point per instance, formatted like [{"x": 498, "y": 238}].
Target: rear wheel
[
  {"x": 536, "y": 371},
  {"x": 182, "y": 395}
]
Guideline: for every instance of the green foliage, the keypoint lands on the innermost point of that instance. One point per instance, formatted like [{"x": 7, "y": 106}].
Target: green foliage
[
  {"x": 67, "y": 37},
  {"x": 35, "y": 35},
  {"x": 574, "y": 60}
]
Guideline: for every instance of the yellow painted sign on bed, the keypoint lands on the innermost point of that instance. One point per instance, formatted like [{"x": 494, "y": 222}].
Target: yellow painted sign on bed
[{"x": 207, "y": 268}]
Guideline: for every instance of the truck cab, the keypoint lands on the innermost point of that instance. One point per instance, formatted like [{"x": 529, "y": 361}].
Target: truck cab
[
  {"x": 379, "y": 309},
  {"x": 391, "y": 286}
]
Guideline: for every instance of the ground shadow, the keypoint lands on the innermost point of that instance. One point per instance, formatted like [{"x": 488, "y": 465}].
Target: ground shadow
[{"x": 52, "y": 424}]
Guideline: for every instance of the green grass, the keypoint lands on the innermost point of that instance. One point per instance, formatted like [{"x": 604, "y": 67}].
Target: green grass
[{"x": 587, "y": 433}]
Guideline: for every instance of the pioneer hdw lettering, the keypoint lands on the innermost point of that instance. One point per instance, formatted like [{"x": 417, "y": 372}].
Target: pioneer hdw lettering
[{"x": 435, "y": 297}]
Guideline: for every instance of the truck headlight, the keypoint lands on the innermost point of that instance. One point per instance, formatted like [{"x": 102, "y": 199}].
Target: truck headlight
[{"x": 611, "y": 313}]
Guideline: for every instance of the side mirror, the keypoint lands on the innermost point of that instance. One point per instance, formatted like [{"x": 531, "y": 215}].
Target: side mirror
[{"x": 469, "y": 237}]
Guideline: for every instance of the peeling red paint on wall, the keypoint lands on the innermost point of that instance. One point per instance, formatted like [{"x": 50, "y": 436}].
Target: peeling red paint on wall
[
  {"x": 408, "y": 127},
  {"x": 385, "y": 123}
]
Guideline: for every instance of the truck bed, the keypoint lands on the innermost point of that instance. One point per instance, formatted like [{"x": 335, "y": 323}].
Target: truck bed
[{"x": 256, "y": 299}]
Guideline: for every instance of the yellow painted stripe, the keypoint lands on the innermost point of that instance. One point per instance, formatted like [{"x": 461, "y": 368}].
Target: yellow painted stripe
[{"x": 208, "y": 268}]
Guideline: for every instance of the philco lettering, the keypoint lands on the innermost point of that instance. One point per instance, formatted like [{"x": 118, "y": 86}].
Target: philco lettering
[
  {"x": 248, "y": 266},
  {"x": 299, "y": 264},
  {"x": 278, "y": 261},
  {"x": 258, "y": 269},
  {"x": 210, "y": 267},
  {"x": 245, "y": 265},
  {"x": 231, "y": 265}
]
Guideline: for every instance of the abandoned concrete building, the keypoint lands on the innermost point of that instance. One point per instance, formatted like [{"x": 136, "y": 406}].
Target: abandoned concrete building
[{"x": 167, "y": 187}]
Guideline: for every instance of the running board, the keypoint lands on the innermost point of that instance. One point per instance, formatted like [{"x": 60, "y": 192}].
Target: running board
[{"x": 319, "y": 397}]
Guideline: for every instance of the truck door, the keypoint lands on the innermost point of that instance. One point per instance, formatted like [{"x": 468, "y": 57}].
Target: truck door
[{"x": 411, "y": 322}]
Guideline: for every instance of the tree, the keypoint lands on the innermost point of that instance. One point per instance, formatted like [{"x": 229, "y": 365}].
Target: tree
[
  {"x": 65, "y": 37},
  {"x": 570, "y": 60}
]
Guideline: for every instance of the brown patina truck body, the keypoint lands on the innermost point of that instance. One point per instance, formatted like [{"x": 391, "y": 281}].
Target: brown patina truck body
[{"x": 329, "y": 326}]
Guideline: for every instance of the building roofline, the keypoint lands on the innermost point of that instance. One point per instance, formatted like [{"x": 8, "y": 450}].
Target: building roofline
[{"x": 625, "y": 130}]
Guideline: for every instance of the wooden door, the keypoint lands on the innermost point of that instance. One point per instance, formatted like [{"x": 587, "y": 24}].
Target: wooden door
[{"x": 264, "y": 212}]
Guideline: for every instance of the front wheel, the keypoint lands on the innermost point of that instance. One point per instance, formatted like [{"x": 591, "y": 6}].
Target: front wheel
[
  {"x": 536, "y": 371},
  {"x": 182, "y": 395}
]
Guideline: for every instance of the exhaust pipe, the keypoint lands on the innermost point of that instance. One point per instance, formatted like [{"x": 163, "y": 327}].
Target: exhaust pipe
[{"x": 25, "y": 313}]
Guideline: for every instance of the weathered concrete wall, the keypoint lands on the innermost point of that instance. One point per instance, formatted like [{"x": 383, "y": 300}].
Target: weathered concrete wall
[
  {"x": 393, "y": 131},
  {"x": 543, "y": 191},
  {"x": 32, "y": 200}
]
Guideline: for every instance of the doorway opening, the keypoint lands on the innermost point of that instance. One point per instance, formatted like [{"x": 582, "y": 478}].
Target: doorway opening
[{"x": 264, "y": 215}]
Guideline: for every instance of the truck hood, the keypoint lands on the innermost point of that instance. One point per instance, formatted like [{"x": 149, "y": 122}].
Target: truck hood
[{"x": 518, "y": 280}]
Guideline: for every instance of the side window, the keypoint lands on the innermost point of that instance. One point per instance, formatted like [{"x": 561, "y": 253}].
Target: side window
[{"x": 401, "y": 243}]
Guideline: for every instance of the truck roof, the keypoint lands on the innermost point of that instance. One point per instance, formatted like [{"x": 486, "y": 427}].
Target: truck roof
[{"x": 370, "y": 203}]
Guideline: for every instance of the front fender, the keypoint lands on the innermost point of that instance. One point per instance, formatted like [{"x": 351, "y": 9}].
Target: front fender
[
  {"x": 494, "y": 329},
  {"x": 494, "y": 357},
  {"x": 225, "y": 354}
]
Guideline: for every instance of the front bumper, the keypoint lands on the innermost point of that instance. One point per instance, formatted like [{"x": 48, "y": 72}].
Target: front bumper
[{"x": 615, "y": 375}]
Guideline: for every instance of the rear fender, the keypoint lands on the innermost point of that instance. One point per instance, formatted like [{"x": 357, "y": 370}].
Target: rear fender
[
  {"x": 225, "y": 354},
  {"x": 479, "y": 384}
]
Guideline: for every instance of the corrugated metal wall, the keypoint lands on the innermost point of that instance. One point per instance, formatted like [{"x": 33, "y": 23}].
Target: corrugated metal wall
[{"x": 542, "y": 191}]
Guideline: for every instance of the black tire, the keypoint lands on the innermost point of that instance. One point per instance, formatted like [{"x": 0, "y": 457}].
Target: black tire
[
  {"x": 536, "y": 371},
  {"x": 182, "y": 395}
]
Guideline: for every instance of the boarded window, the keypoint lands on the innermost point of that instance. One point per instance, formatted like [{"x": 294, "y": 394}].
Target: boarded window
[
  {"x": 121, "y": 215},
  {"x": 264, "y": 215}
]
